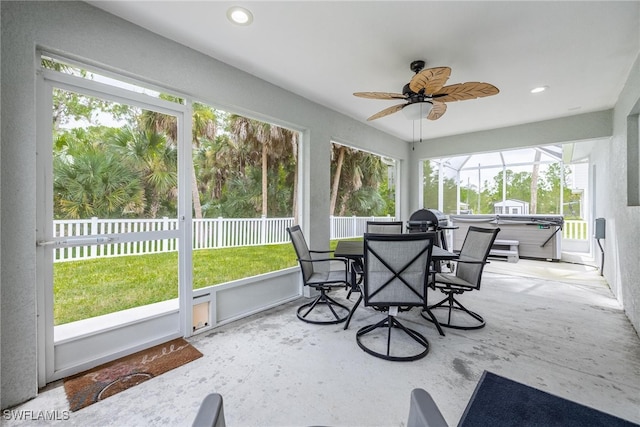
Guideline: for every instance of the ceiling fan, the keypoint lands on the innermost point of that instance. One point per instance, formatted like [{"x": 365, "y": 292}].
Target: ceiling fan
[{"x": 426, "y": 94}]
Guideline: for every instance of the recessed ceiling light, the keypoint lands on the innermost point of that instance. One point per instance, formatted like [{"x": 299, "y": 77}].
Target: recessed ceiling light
[
  {"x": 239, "y": 15},
  {"x": 539, "y": 89}
]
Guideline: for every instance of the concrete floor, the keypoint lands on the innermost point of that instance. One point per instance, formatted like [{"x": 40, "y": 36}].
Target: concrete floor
[{"x": 554, "y": 326}]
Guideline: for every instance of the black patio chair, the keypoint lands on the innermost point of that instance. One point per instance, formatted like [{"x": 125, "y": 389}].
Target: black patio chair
[
  {"x": 396, "y": 274},
  {"x": 323, "y": 280},
  {"x": 384, "y": 227},
  {"x": 374, "y": 227},
  {"x": 468, "y": 274}
]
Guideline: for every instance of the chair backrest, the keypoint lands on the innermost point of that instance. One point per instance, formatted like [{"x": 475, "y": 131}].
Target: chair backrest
[
  {"x": 476, "y": 247},
  {"x": 396, "y": 268},
  {"x": 423, "y": 410},
  {"x": 384, "y": 227},
  {"x": 211, "y": 412},
  {"x": 302, "y": 251}
]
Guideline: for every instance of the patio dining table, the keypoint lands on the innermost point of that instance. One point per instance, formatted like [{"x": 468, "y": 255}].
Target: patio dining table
[{"x": 353, "y": 250}]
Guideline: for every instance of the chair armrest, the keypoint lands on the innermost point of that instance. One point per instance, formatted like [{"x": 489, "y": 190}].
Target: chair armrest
[
  {"x": 468, "y": 260},
  {"x": 326, "y": 260},
  {"x": 330, "y": 251}
]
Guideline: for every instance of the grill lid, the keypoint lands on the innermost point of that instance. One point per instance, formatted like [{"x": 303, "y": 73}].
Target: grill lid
[{"x": 425, "y": 218}]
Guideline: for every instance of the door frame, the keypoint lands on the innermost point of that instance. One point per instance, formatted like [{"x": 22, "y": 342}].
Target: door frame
[{"x": 55, "y": 360}]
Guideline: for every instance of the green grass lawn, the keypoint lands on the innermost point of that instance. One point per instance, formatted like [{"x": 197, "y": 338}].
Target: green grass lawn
[{"x": 85, "y": 289}]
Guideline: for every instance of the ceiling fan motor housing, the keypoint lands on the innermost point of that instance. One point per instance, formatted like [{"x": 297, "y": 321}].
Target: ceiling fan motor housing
[{"x": 413, "y": 96}]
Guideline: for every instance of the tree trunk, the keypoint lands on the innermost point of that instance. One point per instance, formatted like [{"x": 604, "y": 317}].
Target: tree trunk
[
  {"x": 336, "y": 181},
  {"x": 195, "y": 195},
  {"x": 533, "y": 207},
  {"x": 295, "y": 194},
  {"x": 264, "y": 180}
]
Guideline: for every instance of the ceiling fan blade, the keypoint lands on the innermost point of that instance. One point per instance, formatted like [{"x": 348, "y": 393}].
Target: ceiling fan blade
[
  {"x": 380, "y": 95},
  {"x": 431, "y": 80},
  {"x": 437, "y": 111},
  {"x": 386, "y": 112},
  {"x": 464, "y": 91}
]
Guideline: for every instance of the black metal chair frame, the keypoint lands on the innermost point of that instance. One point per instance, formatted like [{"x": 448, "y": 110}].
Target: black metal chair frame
[
  {"x": 450, "y": 303},
  {"x": 396, "y": 227},
  {"x": 306, "y": 263},
  {"x": 390, "y": 321}
]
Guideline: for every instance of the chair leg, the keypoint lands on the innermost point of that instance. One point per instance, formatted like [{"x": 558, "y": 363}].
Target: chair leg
[
  {"x": 353, "y": 310},
  {"x": 432, "y": 318},
  {"x": 323, "y": 299},
  {"x": 390, "y": 323},
  {"x": 450, "y": 303}
]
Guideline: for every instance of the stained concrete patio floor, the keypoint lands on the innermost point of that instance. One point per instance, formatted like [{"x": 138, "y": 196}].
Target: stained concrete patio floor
[{"x": 553, "y": 326}]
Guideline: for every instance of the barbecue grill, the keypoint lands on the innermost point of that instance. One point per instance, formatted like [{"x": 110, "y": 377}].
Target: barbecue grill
[{"x": 424, "y": 220}]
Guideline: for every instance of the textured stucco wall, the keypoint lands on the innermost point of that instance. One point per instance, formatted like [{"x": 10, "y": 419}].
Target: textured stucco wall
[{"x": 622, "y": 247}]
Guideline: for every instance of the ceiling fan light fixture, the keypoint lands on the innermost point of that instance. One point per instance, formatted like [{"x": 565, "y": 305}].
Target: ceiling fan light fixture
[
  {"x": 239, "y": 15},
  {"x": 417, "y": 110}
]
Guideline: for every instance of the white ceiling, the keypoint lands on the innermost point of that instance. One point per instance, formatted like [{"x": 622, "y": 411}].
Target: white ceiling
[{"x": 325, "y": 51}]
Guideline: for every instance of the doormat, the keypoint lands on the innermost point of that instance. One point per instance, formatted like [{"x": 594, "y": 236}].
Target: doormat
[
  {"x": 94, "y": 385},
  {"x": 501, "y": 402}
]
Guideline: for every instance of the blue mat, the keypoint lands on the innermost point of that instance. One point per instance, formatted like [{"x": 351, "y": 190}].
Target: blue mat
[{"x": 498, "y": 401}]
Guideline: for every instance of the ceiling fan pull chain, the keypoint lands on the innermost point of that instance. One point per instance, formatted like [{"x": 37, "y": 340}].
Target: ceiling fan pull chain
[{"x": 413, "y": 137}]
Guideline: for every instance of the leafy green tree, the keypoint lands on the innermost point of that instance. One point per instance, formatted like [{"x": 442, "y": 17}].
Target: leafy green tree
[
  {"x": 203, "y": 128},
  {"x": 266, "y": 147},
  {"x": 430, "y": 183},
  {"x": 155, "y": 162},
  {"x": 431, "y": 188},
  {"x": 92, "y": 181},
  {"x": 356, "y": 182}
]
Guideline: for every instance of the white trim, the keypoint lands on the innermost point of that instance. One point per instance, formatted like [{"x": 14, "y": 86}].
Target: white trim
[
  {"x": 112, "y": 93},
  {"x": 44, "y": 209},
  {"x": 185, "y": 227}
]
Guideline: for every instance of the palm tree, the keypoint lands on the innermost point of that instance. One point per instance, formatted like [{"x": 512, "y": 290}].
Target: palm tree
[
  {"x": 356, "y": 181},
  {"x": 336, "y": 176},
  {"x": 263, "y": 141},
  {"x": 203, "y": 127},
  {"x": 89, "y": 180},
  {"x": 155, "y": 161}
]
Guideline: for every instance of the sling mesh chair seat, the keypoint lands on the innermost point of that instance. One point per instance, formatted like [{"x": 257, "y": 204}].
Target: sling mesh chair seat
[
  {"x": 384, "y": 227},
  {"x": 323, "y": 280},
  {"x": 396, "y": 274},
  {"x": 468, "y": 274}
]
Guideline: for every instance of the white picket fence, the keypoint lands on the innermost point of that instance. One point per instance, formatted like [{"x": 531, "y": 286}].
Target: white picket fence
[
  {"x": 213, "y": 233},
  {"x": 575, "y": 229},
  {"x": 208, "y": 233}
]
